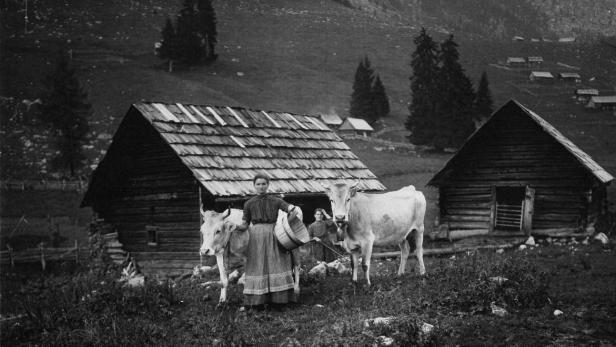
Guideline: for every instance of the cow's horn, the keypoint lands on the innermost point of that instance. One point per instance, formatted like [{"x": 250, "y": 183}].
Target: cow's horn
[{"x": 227, "y": 213}]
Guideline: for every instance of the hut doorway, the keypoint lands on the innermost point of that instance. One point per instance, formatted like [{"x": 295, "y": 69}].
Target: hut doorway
[{"x": 514, "y": 209}]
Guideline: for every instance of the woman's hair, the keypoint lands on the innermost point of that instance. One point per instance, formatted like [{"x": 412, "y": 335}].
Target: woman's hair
[
  {"x": 262, "y": 176},
  {"x": 320, "y": 210}
]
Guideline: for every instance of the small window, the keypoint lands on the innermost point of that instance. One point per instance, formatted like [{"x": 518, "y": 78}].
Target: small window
[{"x": 152, "y": 234}]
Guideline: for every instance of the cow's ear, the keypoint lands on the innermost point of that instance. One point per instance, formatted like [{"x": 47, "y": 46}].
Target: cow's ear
[
  {"x": 353, "y": 188},
  {"x": 230, "y": 226}
]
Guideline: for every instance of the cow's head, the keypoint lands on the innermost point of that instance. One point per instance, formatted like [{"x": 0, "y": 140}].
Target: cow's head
[
  {"x": 216, "y": 231},
  {"x": 340, "y": 196}
]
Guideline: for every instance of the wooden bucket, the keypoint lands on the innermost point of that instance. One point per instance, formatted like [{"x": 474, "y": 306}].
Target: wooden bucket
[{"x": 291, "y": 232}]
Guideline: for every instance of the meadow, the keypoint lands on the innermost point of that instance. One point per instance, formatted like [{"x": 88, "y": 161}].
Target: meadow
[{"x": 85, "y": 305}]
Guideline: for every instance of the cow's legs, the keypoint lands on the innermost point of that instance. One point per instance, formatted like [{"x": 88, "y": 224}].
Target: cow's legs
[
  {"x": 365, "y": 258},
  {"x": 223, "y": 278},
  {"x": 354, "y": 264},
  {"x": 405, "y": 249},
  {"x": 296, "y": 257},
  {"x": 419, "y": 250}
]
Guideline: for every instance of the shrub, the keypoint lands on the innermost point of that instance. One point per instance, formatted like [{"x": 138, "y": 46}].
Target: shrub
[{"x": 525, "y": 286}]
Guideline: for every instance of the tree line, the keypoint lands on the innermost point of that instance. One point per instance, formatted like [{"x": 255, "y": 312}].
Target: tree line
[
  {"x": 192, "y": 38},
  {"x": 445, "y": 109}
]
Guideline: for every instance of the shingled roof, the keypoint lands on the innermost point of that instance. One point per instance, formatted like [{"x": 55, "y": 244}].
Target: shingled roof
[
  {"x": 584, "y": 159},
  {"x": 224, "y": 147}
]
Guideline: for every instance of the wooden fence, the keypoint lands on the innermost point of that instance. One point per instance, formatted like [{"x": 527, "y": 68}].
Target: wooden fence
[
  {"x": 41, "y": 255},
  {"x": 69, "y": 185}
]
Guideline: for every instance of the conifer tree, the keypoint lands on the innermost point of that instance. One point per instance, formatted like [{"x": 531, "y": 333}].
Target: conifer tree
[
  {"x": 206, "y": 26},
  {"x": 193, "y": 38},
  {"x": 455, "y": 109},
  {"x": 422, "y": 121},
  {"x": 65, "y": 107},
  {"x": 190, "y": 49},
  {"x": 483, "y": 100},
  {"x": 380, "y": 100},
  {"x": 362, "y": 105},
  {"x": 169, "y": 48}
]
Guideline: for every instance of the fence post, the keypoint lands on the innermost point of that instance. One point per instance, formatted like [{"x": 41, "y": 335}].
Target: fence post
[
  {"x": 76, "y": 252},
  {"x": 42, "y": 248},
  {"x": 11, "y": 255}
]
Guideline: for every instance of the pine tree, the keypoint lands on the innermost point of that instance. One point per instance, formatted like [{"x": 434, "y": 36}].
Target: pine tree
[
  {"x": 483, "y": 100},
  {"x": 422, "y": 121},
  {"x": 456, "y": 105},
  {"x": 190, "y": 49},
  {"x": 206, "y": 26},
  {"x": 361, "y": 99},
  {"x": 66, "y": 109},
  {"x": 379, "y": 99},
  {"x": 169, "y": 47}
]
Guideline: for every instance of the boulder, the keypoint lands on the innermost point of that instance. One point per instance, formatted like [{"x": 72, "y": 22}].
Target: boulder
[
  {"x": 530, "y": 241},
  {"x": 499, "y": 279},
  {"x": 378, "y": 321},
  {"x": 557, "y": 313},
  {"x": 497, "y": 310},
  {"x": 601, "y": 237},
  {"x": 385, "y": 341},
  {"x": 319, "y": 271},
  {"x": 337, "y": 267},
  {"x": 426, "y": 328},
  {"x": 234, "y": 276},
  {"x": 522, "y": 247}
]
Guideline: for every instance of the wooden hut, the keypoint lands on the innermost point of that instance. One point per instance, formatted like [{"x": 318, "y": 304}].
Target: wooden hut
[
  {"x": 331, "y": 120},
  {"x": 570, "y": 77},
  {"x": 518, "y": 175},
  {"x": 583, "y": 95},
  {"x": 167, "y": 160},
  {"x": 516, "y": 62},
  {"x": 541, "y": 76},
  {"x": 535, "y": 60},
  {"x": 605, "y": 102},
  {"x": 356, "y": 126}
]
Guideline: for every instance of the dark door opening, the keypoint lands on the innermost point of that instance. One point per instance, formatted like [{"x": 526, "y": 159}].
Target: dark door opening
[{"x": 509, "y": 208}]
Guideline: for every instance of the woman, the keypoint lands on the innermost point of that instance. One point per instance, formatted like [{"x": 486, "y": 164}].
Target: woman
[
  {"x": 321, "y": 228},
  {"x": 269, "y": 276}
]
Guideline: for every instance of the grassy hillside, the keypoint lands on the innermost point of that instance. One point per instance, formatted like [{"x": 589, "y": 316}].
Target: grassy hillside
[{"x": 294, "y": 55}]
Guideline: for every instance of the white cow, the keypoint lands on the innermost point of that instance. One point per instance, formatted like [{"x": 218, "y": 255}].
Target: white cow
[
  {"x": 365, "y": 220},
  {"x": 221, "y": 239}
]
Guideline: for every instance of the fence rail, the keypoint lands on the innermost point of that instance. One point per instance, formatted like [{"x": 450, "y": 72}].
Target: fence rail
[
  {"x": 69, "y": 185},
  {"x": 41, "y": 254}
]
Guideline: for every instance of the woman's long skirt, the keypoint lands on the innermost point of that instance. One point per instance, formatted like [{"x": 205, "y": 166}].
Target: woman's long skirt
[{"x": 269, "y": 269}]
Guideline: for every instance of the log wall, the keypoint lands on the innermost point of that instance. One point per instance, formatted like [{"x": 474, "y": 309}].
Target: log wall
[
  {"x": 516, "y": 152},
  {"x": 156, "y": 190}
]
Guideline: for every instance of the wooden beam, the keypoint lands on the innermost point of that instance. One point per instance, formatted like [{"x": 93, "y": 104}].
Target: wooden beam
[{"x": 445, "y": 251}]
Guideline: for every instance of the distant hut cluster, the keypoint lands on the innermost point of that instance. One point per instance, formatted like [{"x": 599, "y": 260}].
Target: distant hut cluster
[
  {"x": 167, "y": 161},
  {"x": 531, "y": 61},
  {"x": 604, "y": 102},
  {"x": 518, "y": 175},
  {"x": 591, "y": 99}
]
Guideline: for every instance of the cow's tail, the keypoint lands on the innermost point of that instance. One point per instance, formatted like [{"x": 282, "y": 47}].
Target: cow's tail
[
  {"x": 410, "y": 238},
  {"x": 419, "y": 214}
]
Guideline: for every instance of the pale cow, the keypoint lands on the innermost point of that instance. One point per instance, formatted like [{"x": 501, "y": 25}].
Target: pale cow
[
  {"x": 365, "y": 220},
  {"x": 221, "y": 239}
]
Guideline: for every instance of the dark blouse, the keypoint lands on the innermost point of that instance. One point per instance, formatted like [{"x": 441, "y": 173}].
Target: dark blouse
[
  {"x": 321, "y": 228},
  {"x": 264, "y": 209}
]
